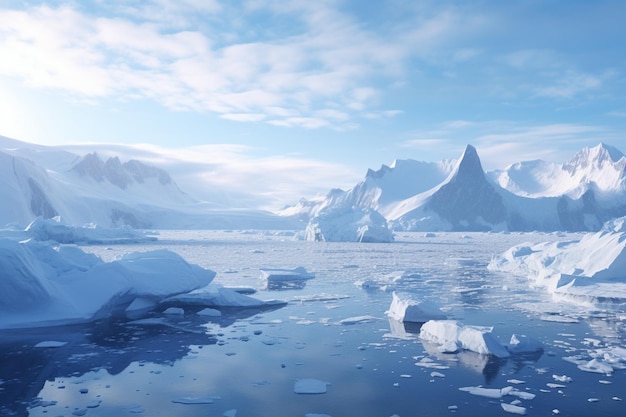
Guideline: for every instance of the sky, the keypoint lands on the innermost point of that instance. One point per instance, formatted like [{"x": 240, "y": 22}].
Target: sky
[{"x": 284, "y": 97}]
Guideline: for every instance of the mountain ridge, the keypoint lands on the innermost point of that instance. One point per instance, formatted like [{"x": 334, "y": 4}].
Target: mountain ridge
[{"x": 591, "y": 191}]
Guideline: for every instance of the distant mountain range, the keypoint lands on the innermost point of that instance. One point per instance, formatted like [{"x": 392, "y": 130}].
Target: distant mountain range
[
  {"x": 39, "y": 181},
  {"x": 579, "y": 195},
  {"x": 451, "y": 195}
]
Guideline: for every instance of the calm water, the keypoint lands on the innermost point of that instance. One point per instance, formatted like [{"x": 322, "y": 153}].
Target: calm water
[{"x": 246, "y": 363}]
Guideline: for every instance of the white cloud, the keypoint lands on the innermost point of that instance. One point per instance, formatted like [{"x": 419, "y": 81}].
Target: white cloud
[
  {"x": 205, "y": 55},
  {"x": 237, "y": 172},
  {"x": 571, "y": 84}
]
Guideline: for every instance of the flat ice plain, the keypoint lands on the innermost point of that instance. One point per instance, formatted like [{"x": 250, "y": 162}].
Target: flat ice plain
[{"x": 247, "y": 362}]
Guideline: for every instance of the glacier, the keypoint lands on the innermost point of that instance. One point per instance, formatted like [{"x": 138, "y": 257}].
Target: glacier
[{"x": 589, "y": 270}]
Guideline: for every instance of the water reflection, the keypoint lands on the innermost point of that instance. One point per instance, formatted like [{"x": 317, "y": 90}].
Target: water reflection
[
  {"x": 110, "y": 345},
  {"x": 487, "y": 365}
]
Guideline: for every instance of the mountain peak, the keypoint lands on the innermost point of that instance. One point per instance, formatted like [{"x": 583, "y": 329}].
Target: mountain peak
[
  {"x": 596, "y": 156},
  {"x": 468, "y": 168}
]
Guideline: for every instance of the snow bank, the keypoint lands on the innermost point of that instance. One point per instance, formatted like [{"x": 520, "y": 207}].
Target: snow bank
[
  {"x": 407, "y": 307},
  {"x": 45, "y": 285},
  {"x": 348, "y": 224},
  {"x": 590, "y": 270},
  {"x": 54, "y": 229},
  {"x": 450, "y": 333}
]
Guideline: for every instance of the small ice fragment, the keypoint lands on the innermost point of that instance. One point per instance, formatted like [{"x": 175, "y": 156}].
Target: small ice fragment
[
  {"x": 616, "y": 399},
  {"x": 513, "y": 409},
  {"x": 357, "y": 320},
  {"x": 553, "y": 385},
  {"x": 522, "y": 394},
  {"x": 524, "y": 344},
  {"x": 83, "y": 391},
  {"x": 556, "y": 411},
  {"x": 453, "y": 407},
  {"x": 50, "y": 344},
  {"x": 174, "y": 311},
  {"x": 562, "y": 378},
  {"x": 310, "y": 386},
  {"x": 195, "y": 400},
  {"x": 593, "y": 400},
  {"x": 407, "y": 376},
  {"x": 596, "y": 366},
  {"x": 93, "y": 404},
  {"x": 515, "y": 381},
  {"x": 437, "y": 375},
  {"x": 605, "y": 382},
  {"x": 486, "y": 392}
]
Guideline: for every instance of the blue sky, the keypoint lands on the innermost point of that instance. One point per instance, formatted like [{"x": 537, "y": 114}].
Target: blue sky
[{"x": 331, "y": 87}]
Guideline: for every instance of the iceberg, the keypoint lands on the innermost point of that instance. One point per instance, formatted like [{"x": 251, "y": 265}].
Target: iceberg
[
  {"x": 479, "y": 339},
  {"x": 406, "y": 307},
  {"x": 348, "y": 224},
  {"x": 588, "y": 271},
  {"x": 42, "y": 285}
]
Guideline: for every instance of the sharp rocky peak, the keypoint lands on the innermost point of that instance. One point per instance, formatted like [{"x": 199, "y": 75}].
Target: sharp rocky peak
[{"x": 469, "y": 167}]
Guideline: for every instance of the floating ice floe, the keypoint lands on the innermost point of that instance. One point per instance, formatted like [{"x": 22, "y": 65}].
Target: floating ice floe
[
  {"x": 195, "y": 400},
  {"x": 310, "y": 386},
  {"x": 50, "y": 344},
  {"x": 587, "y": 271},
  {"x": 277, "y": 278},
  {"x": 390, "y": 282},
  {"x": 42, "y": 284},
  {"x": 449, "y": 334},
  {"x": 513, "y": 409},
  {"x": 406, "y": 307},
  {"x": 348, "y": 224}
]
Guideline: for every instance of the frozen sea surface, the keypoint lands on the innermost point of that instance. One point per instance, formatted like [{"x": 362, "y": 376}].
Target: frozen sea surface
[{"x": 248, "y": 362}]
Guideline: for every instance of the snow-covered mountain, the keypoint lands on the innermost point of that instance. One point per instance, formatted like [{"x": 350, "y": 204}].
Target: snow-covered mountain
[
  {"x": 601, "y": 168},
  {"x": 40, "y": 181},
  {"x": 579, "y": 195}
]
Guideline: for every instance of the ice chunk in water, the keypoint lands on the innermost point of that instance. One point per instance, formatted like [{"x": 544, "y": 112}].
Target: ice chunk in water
[
  {"x": 524, "y": 344},
  {"x": 195, "y": 400},
  {"x": 407, "y": 307},
  {"x": 513, "y": 409},
  {"x": 50, "y": 344},
  {"x": 310, "y": 386},
  {"x": 596, "y": 366},
  {"x": 487, "y": 392},
  {"x": 477, "y": 339}
]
